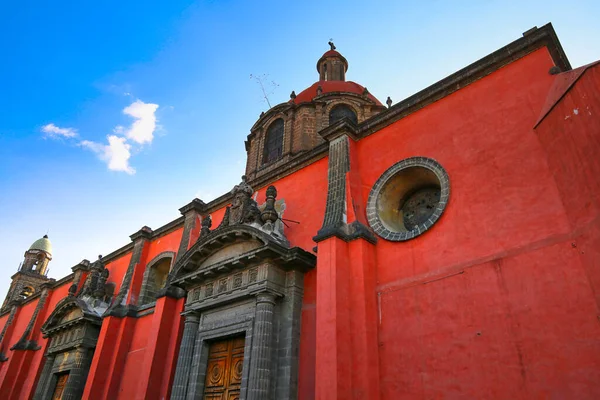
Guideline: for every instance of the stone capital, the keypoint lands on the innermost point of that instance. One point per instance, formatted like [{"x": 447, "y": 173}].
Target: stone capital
[
  {"x": 195, "y": 205},
  {"x": 144, "y": 233}
]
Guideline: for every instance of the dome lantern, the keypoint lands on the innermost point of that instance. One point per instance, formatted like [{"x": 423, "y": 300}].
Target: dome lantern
[{"x": 332, "y": 66}]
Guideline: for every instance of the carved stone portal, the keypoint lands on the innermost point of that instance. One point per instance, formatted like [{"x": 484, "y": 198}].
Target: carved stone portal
[
  {"x": 73, "y": 328},
  {"x": 242, "y": 280}
]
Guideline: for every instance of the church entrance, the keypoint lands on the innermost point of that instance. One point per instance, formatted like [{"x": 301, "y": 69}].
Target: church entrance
[
  {"x": 224, "y": 369},
  {"x": 60, "y": 386}
]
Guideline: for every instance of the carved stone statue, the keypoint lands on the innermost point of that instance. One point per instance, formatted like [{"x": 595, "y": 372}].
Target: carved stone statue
[{"x": 244, "y": 209}]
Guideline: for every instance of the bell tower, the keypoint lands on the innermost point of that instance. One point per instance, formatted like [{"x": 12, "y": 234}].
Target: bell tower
[{"x": 32, "y": 271}]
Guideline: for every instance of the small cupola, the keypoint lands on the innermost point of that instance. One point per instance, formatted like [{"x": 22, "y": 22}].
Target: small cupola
[{"x": 332, "y": 66}]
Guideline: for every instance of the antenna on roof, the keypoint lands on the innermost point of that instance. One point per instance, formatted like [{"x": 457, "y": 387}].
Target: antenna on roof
[{"x": 267, "y": 88}]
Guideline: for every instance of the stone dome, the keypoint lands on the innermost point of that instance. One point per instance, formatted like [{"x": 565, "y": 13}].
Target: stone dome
[{"x": 42, "y": 244}]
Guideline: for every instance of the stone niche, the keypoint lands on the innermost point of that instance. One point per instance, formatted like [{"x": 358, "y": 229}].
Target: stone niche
[{"x": 244, "y": 290}]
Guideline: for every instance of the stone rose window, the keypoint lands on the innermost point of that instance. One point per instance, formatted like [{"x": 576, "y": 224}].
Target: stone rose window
[{"x": 408, "y": 198}]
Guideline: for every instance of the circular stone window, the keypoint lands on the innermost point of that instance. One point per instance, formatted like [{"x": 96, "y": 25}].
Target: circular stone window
[{"x": 408, "y": 198}]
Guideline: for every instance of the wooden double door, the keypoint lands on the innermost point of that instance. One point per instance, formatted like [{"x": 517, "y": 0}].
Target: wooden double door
[
  {"x": 224, "y": 369},
  {"x": 60, "y": 386}
]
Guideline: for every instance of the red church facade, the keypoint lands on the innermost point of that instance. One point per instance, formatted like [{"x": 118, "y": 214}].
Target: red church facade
[{"x": 448, "y": 246}]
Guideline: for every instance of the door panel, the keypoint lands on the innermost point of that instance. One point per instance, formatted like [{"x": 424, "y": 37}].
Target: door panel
[
  {"x": 60, "y": 386},
  {"x": 224, "y": 370}
]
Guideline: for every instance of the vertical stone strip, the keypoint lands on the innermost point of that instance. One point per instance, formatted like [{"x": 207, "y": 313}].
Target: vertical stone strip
[
  {"x": 190, "y": 212},
  {"x": 339, "y": 165},
  {"x": 186, "y": 353},
  {"x": 44, "y": 377},
  {"x": 23, "y": 343},
  {"x": 289, "y": 340},
  {"x": 9, "y": 321},
  {"x": 260, "y": 362},
  {"x": 139, "y": 240},
  {"x": 76, "y": 381}
]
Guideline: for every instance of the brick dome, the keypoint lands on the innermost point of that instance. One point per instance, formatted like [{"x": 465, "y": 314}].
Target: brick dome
[{"x": 310, "y": 93}]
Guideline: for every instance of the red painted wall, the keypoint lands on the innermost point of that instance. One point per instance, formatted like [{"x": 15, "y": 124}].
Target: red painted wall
[
  {"x": 135, "y": 358},
  {"x": 168, "y": 242},
  {"x": 569, "y": 134},
  {"x": 117, "y": 269},
  {"x": 493, "y": 301}
]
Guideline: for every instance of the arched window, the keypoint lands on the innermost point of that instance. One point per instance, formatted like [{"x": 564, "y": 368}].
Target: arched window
[
  {"x": 342, "y": 111},
  {"x": 274, "y": 142},
  {"x": 155, "y": 278}
]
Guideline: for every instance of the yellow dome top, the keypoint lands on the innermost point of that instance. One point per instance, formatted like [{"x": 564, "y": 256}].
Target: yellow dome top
[{"x": 42, "y": 244}]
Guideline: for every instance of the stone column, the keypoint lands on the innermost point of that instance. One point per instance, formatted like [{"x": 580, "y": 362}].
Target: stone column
[
  {"x": 260, "y": 361},
  {"x": 77, "y": 375},
  {"x": 186, "y": 352},
  {"x": 44, "y": 377}
]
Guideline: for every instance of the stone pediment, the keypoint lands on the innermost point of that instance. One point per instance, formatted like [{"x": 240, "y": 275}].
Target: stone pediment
[
  {"x": 232, "y": 248},
  {"x": 68, "y": 312}
]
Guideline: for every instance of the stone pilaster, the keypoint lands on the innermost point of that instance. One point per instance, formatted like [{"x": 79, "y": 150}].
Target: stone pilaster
[
  {"x": 139, "y": 240},
  {"x": 260, "y": 361},
  {"x": 44, "y": 377},
  {"x": 9, "y": 321},
  {"x": 24, "y": 343},
  {"x": 289, "y": 337},
  {"x": 338, "y": 218},
  {"x": 77, "y": 375},
  {"x": 186, "y": 353},
  {"x": 191, "y": 212}
]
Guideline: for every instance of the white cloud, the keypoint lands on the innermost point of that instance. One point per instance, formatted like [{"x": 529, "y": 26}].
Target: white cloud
[
  {"x": 116, "y": 154},
  {"x": 55, "y": 132},
  {"x": 142, "y": 129}
]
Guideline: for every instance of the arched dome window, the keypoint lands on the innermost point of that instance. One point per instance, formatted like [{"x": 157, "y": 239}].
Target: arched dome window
[
  {"x": 274, "y": 142},
  {"x": 342, "y": 111}
]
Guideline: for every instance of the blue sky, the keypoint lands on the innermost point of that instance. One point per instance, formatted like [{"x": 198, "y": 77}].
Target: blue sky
[{"x": 114, "y": 114}]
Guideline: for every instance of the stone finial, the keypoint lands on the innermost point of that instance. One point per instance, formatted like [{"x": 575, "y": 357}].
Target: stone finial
[
  {"x": 262, "y": 114},
  {"x": 388, "y": 102},
  {"x": 293, "y": 95},
  {"x": 269, "y": 214},
  {"x": 365, "y": 92},
  {"x": 331, "y": 45},
  {"x": 319, "y": 90}
]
